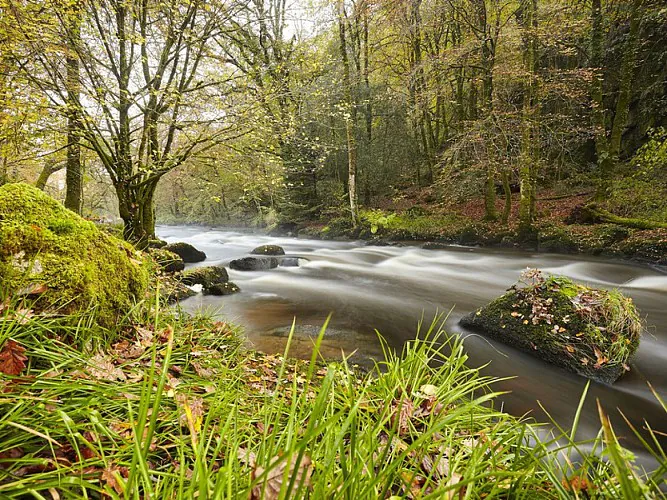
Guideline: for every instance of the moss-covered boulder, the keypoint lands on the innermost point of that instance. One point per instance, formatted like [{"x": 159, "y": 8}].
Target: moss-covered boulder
[
  {"x": 227, "y": 288},
  {"x": 168, "y": 261},
  {"x": 65, "y": 261},
  {"x": 588, "y": 331},
  {"x": 268, "y": 250},
  {"x": 205, "y": 276},
  {"x": 185, "y": 251}
]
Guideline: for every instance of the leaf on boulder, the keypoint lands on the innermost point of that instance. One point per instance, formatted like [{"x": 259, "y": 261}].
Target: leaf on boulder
[
  {"x": 12, "y": 358},
  {"x": 601, "y": 358}
]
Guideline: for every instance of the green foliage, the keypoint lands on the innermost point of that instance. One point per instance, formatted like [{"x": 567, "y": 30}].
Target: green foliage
[{"x": 178, "y": 410}]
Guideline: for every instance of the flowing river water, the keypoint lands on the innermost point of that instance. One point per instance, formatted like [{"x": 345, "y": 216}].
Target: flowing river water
[{"x": 390, "y": 288}]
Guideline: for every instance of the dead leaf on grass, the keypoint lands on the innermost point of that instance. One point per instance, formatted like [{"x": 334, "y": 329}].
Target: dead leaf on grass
[
  {"x": 101, "y": 367},
  {"x": 12, "y": 358},
  {"x": 298, "y": 474}
]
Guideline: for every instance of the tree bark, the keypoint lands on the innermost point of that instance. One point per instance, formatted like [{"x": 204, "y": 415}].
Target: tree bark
[
  {"x": 49, "y": 169},
  {"x": 592, "y": 212},
  {"x": 608, "y": 144},
  {"x": 526, "y": 168},
  {"x": 350, "y": 117},
  {"x": 487, "y": 62},
  {"x": 74, "y": 174}
]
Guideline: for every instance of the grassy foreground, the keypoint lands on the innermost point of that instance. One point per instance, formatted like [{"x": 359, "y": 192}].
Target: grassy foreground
[{"x": 170, "y": 406}]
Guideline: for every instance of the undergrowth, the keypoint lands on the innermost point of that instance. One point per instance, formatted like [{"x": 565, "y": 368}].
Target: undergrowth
[{"x": 172, "y": 406}]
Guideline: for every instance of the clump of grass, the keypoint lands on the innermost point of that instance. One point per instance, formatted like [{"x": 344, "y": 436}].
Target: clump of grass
[{"x": 173, "y": 407}]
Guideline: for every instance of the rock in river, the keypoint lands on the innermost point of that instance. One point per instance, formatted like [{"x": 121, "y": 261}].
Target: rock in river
[
  {"x": 587, "y": 331},
  {"x": 268, "y": 250},
  {"x": 168, "y": 261},
  {"x": 187, "y": 252},
  {"x": 227, "y": 288},
  {"x": 205, "y": 276},
  {"x": 254, "y": 263}
]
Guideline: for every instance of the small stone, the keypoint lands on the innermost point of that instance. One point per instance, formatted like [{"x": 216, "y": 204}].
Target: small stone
[
  {"x": 268, "y": 250},
  {"x": 227, "y": 288}
]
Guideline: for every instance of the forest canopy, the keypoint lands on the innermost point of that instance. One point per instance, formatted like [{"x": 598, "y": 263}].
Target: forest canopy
[{"x": 264, "y": 112}]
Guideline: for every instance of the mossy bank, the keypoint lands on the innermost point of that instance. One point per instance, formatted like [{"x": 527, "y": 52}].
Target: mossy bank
[
  {"x": 438, "y": 231},
  {"x": 62, "y": 261}
]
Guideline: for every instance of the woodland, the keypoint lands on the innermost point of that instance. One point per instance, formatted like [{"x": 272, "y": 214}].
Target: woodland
[{"x": 269, "y": 113}]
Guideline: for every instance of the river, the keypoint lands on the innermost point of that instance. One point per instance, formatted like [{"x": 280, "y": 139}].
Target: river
[{"x": 390, "y": 288}]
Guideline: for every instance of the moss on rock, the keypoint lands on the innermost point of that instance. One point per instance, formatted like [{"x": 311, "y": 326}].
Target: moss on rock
[
  {"x": 268, "y": 250},
  {"x": 168, "y": 261},
  {"x": 205, "y": 276},
  {"x": 227, "y": 288},
  {"x": 588, "y": 331},
  {"x": 79, "y": 266}
]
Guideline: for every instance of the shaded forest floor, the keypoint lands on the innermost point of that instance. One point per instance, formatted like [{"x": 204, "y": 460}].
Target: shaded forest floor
[{"x": 418, "y": 216}]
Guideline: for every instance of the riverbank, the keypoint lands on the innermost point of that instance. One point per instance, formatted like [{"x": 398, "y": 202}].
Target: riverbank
[
  {"x": 438, "y": 231},
  {"x": 168, "y": 405}
]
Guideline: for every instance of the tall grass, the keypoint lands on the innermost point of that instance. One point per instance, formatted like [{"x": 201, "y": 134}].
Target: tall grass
[{"x": 173, "y": 407}]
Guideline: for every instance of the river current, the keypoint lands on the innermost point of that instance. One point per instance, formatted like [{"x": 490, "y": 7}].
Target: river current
[{"x": 391, "y": 288}]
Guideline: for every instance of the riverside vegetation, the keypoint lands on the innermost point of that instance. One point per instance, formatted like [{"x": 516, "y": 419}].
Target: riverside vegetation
[{"x": 161, "y": 404}]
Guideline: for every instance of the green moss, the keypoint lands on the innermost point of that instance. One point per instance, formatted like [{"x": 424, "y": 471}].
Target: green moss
[
  {"x": 81, "y": 266},
  {"x": 168, "y": 261},
  {"x": 205, "y": 276},
  {"x": 587, "y": 331}
]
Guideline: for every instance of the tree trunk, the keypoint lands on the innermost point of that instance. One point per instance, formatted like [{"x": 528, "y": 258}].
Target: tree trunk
[
  {"x": 625, "y": 85},
  {"x": 608, "y": 145},
  {"x": 350, "y": 118},
  {"x": 507, "y": 191},
  {"x": 49, "y": 169},
  {"x": 526, "y": 168},
  {"x": 137, "y": 210},
  {"x": 74, "y": 175}
]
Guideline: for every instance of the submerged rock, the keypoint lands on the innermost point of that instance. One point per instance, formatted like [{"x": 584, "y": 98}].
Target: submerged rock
[
  {"x": 168, "y": 261},
  {"x": 187, "y": 252},
  {"x": 289, "y": 262},
  {"x": 205, "y": 276},
  {"x": 254, "y": 263},
  {"x": 587, "y": 331},
  {"x": 63, "y": 261},
  {"x": 268, "y": 250},
  {"x": 227, "y": 288}
]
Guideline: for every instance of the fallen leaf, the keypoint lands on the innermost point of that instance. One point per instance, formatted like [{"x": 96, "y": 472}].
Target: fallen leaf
[
  {"x": 428, "y": 389},
  {"x": 12, "y": 358},
  {"x": 101, "y": 367},
  {"x": 298, "y": 475},
  {"x": 192, "y": 413},
  {"x": 113, "y": 476},
  {"x": 453, "y": 480},
  {"x": 601, "y": 358},
  {"x": 400, "y": 418},
  {"x": 33, "y": 289}
]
